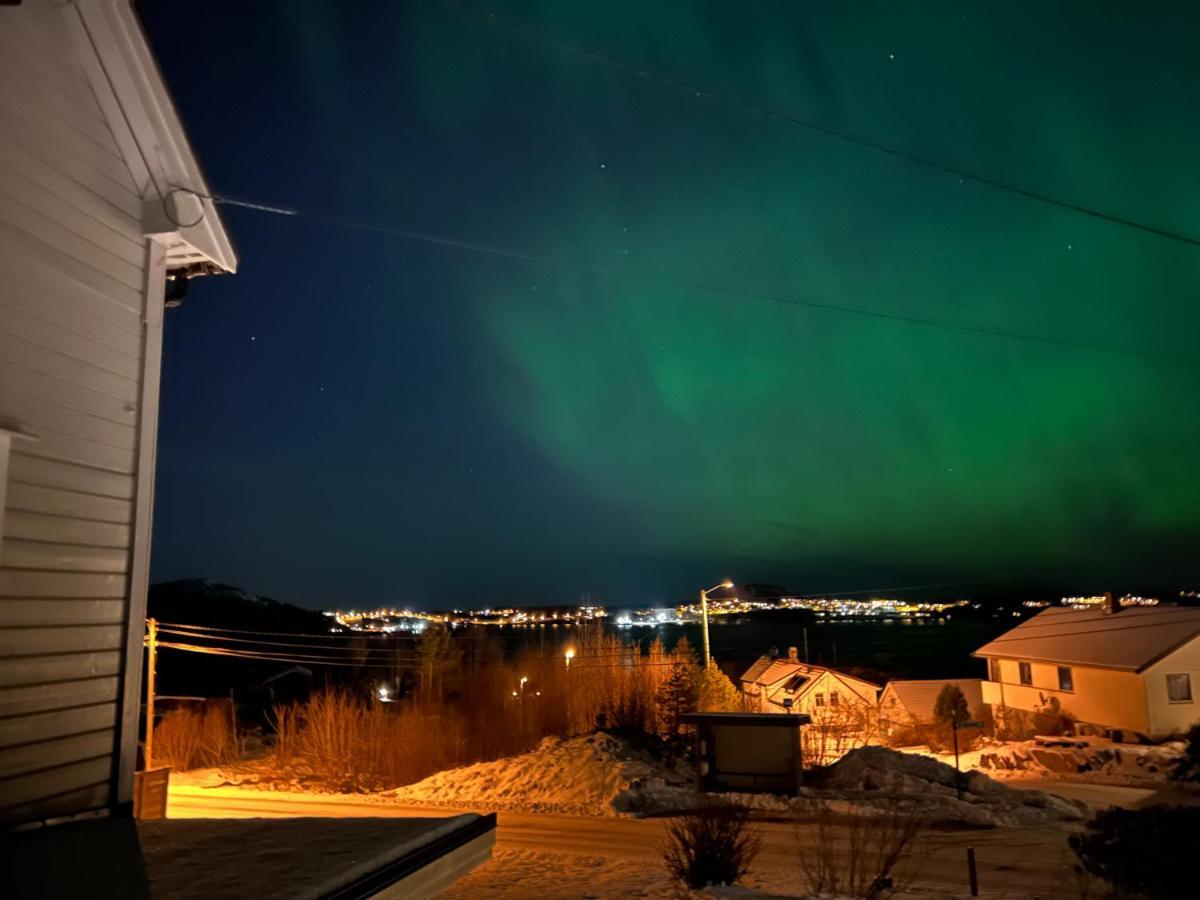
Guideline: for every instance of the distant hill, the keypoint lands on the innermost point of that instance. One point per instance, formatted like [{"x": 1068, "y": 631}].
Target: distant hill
[{"x": 199, "y": 601}]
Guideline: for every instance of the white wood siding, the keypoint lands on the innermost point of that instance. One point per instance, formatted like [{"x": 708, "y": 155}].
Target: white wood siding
[{"x": 72, "y": 291}]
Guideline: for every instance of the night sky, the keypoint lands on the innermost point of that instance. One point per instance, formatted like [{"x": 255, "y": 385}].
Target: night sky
[{"x": 358, "y": 417}]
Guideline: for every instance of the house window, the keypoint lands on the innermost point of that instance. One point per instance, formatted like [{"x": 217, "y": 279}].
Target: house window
[
  {"x": 820, "y": 700},
  {"x": 1179, "y": 688},
  {"x": 1026, "y": 672},
  {"x": 994, "y": 669},
  {"x": 833, "y": 699},
  {"x": 1066, "y": 681}
]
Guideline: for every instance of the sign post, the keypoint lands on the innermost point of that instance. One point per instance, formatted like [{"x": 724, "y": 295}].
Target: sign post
[{"x": 954, "y": 727}]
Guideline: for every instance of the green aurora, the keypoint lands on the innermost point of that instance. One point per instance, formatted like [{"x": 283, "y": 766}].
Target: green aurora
[{"x": 717, "y": 429}]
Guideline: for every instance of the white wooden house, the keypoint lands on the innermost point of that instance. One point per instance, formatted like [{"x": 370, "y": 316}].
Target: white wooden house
[
  {"x": 102, "y": 205},
  {"x": 101, "y": 202}
]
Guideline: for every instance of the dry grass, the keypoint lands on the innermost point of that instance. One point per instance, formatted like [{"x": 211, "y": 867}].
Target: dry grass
[
  {"x": 490, "y": 707},
  {"x": 195, "y": 738},
  {"x": 857, "y": 855},
  {"x": 352, "y": 745}
]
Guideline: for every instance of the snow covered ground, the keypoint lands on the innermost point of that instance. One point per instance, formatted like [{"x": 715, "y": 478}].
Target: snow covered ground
[
  {"x": 1075, "y": 759},
  {"x": 595, "y": 774},
  {"x": 603, "y": 775}
]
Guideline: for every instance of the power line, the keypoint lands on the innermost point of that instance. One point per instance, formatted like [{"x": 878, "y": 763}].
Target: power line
[
  {"x": 624, "y": 661},
  {"x": 702, "y": 287},
  {"x": 700, "y": 92}
]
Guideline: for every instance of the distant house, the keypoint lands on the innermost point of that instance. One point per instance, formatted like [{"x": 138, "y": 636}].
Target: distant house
[
  {"x": 909, "y": 704},
  {"x": 776, "y": 684},
  {"x": 1135, "y": 669}
]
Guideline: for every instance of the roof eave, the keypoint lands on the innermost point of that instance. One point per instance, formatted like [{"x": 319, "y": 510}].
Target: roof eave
[{"x": 130, "y": 89}]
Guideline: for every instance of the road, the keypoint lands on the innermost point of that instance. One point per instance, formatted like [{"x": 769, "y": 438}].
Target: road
[
  {"x": 1019, "y": 862},
  {"x": 1100, "y": 796}
]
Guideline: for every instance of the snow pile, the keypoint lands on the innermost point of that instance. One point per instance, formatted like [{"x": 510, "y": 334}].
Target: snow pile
[
  {"x": 1083, "y": 759},
  {"x": 596, "y": 774},
  {"x": 879, "y": 777}
]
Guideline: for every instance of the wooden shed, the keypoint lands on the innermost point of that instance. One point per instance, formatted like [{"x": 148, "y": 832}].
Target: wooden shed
[
  {"x": 749, "y": 751},
  {"x": 102, "y": 206}
]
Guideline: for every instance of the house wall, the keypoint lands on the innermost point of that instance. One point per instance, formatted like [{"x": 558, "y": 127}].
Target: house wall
[
  {"x": 1105, "y": 697},
  {"x": 73, "y": 277},
  {"x": 826, "y": 684},
  {"x": 1167, "y": 717},
  {"x": 755, "y": 757}
]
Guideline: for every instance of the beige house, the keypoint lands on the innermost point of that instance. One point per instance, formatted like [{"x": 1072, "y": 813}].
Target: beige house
[
  {"x": 841, "y": 708},
  {"x": 787, "y": 685},
  {"x": 1113, "y": 669},
  {"x": 910, "y": 703}
]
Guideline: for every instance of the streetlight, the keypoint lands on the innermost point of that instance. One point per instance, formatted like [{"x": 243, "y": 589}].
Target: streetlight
[{"x": 704, "y": 614}]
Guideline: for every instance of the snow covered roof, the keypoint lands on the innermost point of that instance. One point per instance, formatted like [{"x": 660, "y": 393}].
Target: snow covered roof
[
  {"x": 1132, "y": 639},
  {"x": 919, "y": 697},
  {"x": 768, "y": 670},
  {"x": 760, "y": 665}
]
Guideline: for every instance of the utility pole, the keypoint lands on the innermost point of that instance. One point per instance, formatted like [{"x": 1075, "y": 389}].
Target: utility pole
[{"x": 152, "y": 657}]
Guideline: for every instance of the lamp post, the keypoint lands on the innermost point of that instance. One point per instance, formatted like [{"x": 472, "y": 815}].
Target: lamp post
[{"x": 704, "y": 615}]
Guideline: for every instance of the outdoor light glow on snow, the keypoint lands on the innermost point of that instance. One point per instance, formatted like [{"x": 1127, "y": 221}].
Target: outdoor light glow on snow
[{"x": 357, "y": 416}]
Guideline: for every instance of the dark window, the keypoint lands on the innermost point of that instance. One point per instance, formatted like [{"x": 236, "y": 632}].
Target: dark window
[
  {"x": 994, "y": 669},
  {"x": 797, "y": 682},
  {"x": 833, "y": 699},
  {"x": 1026, "y": 673},
  {"x": 1179, "y": 688},
  {"x": 1066, "y": 681},
  {"x": 820, "y": 699}
]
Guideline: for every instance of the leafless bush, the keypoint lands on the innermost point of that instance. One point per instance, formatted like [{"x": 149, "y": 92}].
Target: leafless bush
[
  {"x": 711, "y": 846},
  {"x": 836, "y": 730},
  {"x": 195, "y": 738},
  {"x": 856, "y": 856}
]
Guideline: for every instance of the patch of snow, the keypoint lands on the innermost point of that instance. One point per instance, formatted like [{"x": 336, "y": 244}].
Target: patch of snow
[
  {"x": 596, "y": 774},
  {"x": 1086, "y": 759},
  {"x": 908, "y": 781}
]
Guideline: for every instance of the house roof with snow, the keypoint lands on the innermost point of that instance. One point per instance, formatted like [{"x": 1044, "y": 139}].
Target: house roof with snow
[
  {"x": 1132, "y": 639},
  {"x": 790, "y": 679},
  {"x": 917, "y": 698}
]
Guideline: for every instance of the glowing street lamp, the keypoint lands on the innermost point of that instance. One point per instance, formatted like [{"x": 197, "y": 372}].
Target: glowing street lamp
[
  {"x": 704, "y": 615},
  {"x": 569, "y": 655}
]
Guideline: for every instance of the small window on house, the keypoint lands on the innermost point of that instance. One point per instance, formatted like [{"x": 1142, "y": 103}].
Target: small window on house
[
  {"x": 820, "y": 701},
  {"x": 1179, "y": 688},
  {"x": 1066, "y": 681},
  {"x": 994, "y": 669},
  {"x": 833, "y": 699},
  {"x": 1026, "y": 673}
]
